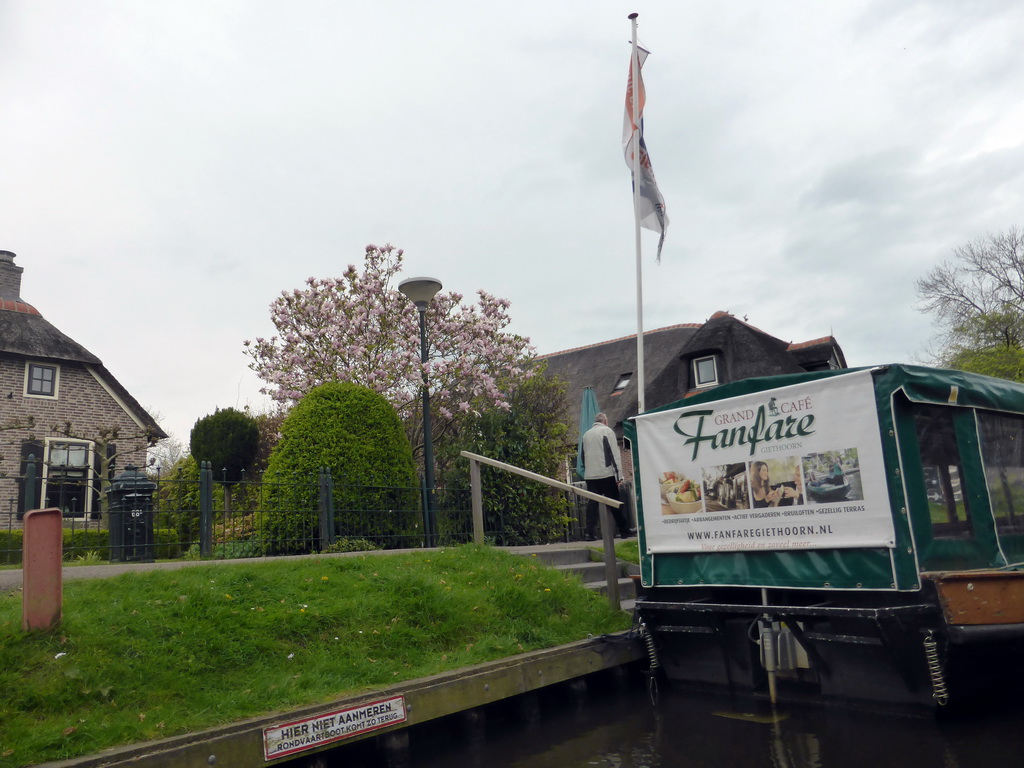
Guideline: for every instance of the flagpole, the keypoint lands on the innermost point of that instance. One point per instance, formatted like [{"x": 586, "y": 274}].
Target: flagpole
[{"x": 635, "y": 91}]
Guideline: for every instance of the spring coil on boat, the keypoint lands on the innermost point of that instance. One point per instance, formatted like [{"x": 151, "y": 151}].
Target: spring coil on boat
[
  {"x": 652, "y": 655},
  {"x": 648, "y": 638},
  {"x": 931, "y": 654}
]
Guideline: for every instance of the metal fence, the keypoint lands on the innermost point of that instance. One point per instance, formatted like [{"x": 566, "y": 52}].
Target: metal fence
[{"x": 138, "y": 516}]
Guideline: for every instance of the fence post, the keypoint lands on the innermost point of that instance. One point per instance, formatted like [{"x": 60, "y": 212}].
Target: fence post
[
  {"x": 428, "y": 534},
  {"x": 227, "y": 502},
  {"x": 478, "y": 501},
  {"x": 326, "y": 506},
  {"x": 205, "y": 510}
]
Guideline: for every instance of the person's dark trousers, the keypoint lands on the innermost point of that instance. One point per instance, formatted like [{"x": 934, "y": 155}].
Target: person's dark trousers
[{"x": 606, "y": 486}]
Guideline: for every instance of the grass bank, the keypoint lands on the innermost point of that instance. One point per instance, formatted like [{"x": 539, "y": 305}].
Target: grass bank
[
  {"x": 628, "y": 550},
  {"x": 153, "y": 654}
]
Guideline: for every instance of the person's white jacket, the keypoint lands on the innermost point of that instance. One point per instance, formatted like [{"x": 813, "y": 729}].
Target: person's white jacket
[{"x": 601, "y": 453}]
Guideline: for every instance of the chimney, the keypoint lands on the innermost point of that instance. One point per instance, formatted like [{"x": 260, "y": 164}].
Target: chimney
[{"x": 10, "y": 277}]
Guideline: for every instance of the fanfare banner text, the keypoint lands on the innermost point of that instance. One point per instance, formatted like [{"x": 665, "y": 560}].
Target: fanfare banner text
[{"x": 798, "y": 467}]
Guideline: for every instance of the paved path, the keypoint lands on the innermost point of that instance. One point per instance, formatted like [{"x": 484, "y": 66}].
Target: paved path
[{"x": 12, "y": 579}]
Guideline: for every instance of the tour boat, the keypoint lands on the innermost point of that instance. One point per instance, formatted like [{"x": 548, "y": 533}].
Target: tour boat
[
  {"x": 826, "y": 490},
  {"x": 907, "y": 590}
]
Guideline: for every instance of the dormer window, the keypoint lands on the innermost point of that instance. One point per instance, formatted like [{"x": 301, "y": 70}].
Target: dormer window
[
  {"x": 41, "y": 380},
  {"x": 622, "y": 383},
  {"x": 705, "y": 372}
]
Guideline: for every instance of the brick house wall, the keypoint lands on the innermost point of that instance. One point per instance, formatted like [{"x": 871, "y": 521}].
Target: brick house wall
[{"x": 81, "y": 400}]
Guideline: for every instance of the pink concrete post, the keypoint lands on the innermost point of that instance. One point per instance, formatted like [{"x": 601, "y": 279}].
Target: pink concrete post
[{"x": 41, "y": 564}]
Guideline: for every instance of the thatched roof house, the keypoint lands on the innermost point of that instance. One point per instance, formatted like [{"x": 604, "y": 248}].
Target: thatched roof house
[
  {"x": 26, "y": 335},
  {"x": 61, "y": 411},
  {"x": 681, "y": 359}
]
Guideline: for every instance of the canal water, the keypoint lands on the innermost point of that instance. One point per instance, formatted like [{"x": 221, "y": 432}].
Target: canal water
[{"x": 622, "y": 729}]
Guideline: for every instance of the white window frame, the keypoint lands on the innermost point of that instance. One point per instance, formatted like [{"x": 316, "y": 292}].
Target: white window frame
[
  {"x": 622, "y": 382},
  {"x": 28, "y": 379},
  {"x": 88, "y": 478},
  {"x": 697, "y": 383}
]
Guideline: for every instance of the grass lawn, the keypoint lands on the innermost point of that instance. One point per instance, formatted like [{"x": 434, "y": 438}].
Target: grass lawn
[
  {"x": 628, "y": 550},
  {"x": 153, "y": 654}
]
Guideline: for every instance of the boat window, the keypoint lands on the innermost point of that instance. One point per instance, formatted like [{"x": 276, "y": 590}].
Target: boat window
[
  {"x": 1002, "y": 450},
  {"x": 943, "y": 473}
]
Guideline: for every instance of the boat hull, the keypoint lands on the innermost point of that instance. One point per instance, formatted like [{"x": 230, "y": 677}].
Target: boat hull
[
  {"x": 825, "y": 491},
  {"x": 898, "y": 650}
]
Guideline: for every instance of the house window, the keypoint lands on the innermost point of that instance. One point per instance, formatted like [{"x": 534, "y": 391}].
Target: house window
[
  {"x": 705, "y": 372},
  {"x": 68, "y": 477},
  {"x": 622, "y": 383},
  {"x": 69, "y": 455},
  {"x": 41, "y": 380}
]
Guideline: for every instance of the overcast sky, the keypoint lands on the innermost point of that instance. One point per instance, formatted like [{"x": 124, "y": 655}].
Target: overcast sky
[{"x": 168, "y": 167}]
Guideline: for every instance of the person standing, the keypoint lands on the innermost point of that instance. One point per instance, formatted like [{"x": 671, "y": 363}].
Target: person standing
[
  {"x": 602, "y": 471},
  {"x": 838, "y": 476}
]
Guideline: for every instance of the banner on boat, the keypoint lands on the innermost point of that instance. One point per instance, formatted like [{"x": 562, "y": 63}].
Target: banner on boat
[{"x": 798, "y": 467}]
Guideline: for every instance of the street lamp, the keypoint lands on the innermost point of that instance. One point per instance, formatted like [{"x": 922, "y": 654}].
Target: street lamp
[{"x": 420, "y": 291}]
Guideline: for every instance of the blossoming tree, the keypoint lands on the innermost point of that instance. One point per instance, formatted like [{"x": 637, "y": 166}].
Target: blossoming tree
[{"x": 360, "y": 328}]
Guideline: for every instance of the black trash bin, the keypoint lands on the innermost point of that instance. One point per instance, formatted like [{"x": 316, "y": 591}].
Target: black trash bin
[{"x": 131, "y": 517}]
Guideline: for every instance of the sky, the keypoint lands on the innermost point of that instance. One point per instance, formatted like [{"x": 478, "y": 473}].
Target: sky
[{"x": 169, "y": 167}]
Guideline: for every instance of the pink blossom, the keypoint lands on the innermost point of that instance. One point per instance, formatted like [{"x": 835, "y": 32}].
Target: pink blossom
[{"x": 360, "y": 328}]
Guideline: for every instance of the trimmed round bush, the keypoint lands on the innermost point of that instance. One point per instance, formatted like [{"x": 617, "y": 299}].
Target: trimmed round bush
[
  {"x": 357, "y": 435},
  {"x": 228, "y": 439}
]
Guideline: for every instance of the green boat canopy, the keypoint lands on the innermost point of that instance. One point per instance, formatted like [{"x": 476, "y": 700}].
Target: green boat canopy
[{"x": 855, "y": 479}]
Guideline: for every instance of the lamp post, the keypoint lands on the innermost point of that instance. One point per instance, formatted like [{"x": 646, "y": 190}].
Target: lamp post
[{"x": 420, "y": 291}]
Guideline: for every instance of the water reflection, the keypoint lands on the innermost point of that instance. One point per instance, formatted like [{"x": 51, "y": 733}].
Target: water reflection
[{"x": 625, "y": 731}]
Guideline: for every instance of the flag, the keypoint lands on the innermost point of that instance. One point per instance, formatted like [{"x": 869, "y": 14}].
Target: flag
[{"x": 652, "y": 204}]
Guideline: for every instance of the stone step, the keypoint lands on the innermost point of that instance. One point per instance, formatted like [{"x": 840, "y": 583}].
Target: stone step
[
  {"x": 558, "y": 556},
  {"x": 627, "y": 588},
  {"x": 588, "y": 565},
  {"x": 589, "y": 571}
]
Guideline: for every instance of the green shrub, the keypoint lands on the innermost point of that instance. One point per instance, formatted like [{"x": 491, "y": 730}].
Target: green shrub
[
  {"x": 80, "y": 541},
  {"x": 228, "y": 439},
  {"x": 177, "y": 498},
  {"x": 345, "y": 544},
  {"x": 10, "y": 547},
  {"x": 167, "y": 544},
  {"x": 531, "y": 435},
  {"x": 88, "y": 544},
  {"x": 357, "y": 435},
  {"x": 229, "y": 550}
]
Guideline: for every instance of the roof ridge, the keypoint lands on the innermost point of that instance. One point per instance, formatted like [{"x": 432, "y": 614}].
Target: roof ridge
[
  {"x": 16, "y": 305},
  {"x": 620, "y": 338},
  {"x": 811, "y": 342}
]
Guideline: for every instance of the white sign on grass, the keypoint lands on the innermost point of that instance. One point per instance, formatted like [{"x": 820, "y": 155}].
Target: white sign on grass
[
  {"x": 798, "y": 467},
  {"x": 298, "y": 735}
]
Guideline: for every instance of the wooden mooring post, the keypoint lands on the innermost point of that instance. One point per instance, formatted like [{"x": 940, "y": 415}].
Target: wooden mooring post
[{"x": 41, "y": 569}]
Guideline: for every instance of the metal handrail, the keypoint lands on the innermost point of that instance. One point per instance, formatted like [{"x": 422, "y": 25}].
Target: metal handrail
[{"x": 610, "y": 569}]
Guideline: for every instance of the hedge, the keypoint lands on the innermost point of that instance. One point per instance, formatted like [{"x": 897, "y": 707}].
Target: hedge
[{"x": 79, "y": 542}]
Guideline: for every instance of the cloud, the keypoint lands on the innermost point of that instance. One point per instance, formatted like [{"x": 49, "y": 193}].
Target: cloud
[{"x": 170, "y": 168}]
